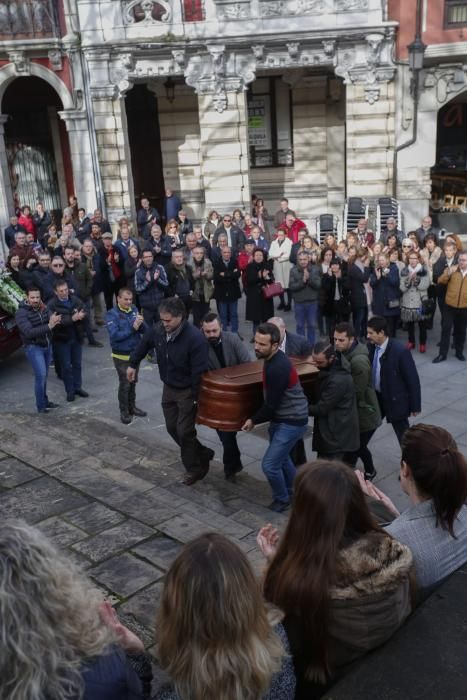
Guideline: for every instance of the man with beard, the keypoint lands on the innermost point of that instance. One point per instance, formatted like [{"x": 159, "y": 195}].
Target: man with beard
[
  {"x": 225, "y": 350},
  {"x": 286, "y": 407},
  {"x": 35, "y": 324}
]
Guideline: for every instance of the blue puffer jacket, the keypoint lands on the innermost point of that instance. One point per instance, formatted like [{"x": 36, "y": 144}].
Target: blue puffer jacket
[
  {"x": 150, "y": 293},
  {"x": 123, "y": 337},
  {"x": 111, "y": 677}
]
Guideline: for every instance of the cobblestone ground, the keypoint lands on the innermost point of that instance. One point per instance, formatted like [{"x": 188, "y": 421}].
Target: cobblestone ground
[{"x": 119, "y": 509}]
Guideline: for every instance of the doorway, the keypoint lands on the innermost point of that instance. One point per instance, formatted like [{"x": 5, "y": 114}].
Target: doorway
[{"x": 145, "y": 146}]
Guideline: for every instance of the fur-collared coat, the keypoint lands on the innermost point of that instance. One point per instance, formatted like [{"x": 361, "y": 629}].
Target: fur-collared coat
[{"x": 370, "y": 600}]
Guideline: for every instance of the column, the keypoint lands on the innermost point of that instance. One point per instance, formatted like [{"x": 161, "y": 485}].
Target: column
[
  {"x": 224, "y": 152},
  {"x": 113, "y": 153},
  {"x": 370, "y": 141},
  {"x": 81, "y": 157},
  {"x": 6, "y": 193}
]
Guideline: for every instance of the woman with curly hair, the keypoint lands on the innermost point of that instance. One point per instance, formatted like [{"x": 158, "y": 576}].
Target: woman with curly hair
[
  {"x": 56, "y": 636},
  {"x": 217, "y": 639}
]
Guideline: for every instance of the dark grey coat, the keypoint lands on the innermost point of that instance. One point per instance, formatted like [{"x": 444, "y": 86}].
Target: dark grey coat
[{"x": 235, "y": 353}]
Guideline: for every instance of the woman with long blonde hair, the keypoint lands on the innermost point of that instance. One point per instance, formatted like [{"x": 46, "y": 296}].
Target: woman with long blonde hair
[
  {"x": 56, "y": 641},
  {"x": 216, "y": 638}
]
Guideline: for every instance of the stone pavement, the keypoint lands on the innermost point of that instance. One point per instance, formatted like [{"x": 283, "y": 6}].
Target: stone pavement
[{"x": 111, "y": 494}]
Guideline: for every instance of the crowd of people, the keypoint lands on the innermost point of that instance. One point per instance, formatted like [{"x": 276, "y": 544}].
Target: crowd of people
[
  {"x": 349, "y": 568},
  {"x": 342, "y": 578}
]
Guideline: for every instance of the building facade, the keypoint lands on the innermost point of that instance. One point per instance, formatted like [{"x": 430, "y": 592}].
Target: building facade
[{"x": 219, "y": 99}]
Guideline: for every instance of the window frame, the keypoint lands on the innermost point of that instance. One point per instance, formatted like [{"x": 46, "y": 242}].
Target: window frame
[
  {"x": 272, "y": 79},
  {"x": 449, "y": 4}
]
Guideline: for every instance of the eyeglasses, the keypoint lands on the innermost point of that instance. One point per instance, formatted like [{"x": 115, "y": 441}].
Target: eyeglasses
[
  {"x": 227, "y": 221},
  {"x": 58, "y": 265},
  {"x": 406, "y": 246}
]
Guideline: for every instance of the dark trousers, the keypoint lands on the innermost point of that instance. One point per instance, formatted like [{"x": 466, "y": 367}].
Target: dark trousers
[
  {"x": 360, "y": 318},
  {"x": 231, "y": 458},
  {"x": 179, "y": 413},
  {"x": 331, "y": 456},
  {"x": 199, "y": 309},
  {"x": 351, "y": 458},
  {"x": 126, "y": 389},
  {"x": 151, "y": 316},
  {"x": 458, "y": 319},
  {"x": 392, "y": 322},
  {"x": 88, "y": 321},
  {"x": 399, "y": 426},
  {"x": 411, "y": 329},
  {"x": 298, "y": 453},
  {"x": 69, "y": 357}
]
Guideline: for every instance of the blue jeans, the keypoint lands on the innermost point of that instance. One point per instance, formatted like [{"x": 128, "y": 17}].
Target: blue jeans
[
  {"x": 228, "y": 312},
  {"x": 69, "y": 356},
  {"x": 305, "y": 318},
  {"x": 39, "y": 359},
  {"x": 277, "y": 464}
]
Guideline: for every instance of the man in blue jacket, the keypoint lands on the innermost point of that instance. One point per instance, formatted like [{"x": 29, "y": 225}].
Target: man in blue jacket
[
  {"x": 126, "y": 328},
  {"x": 182, "y": 357},
  {"x": 395, "y": 377}
]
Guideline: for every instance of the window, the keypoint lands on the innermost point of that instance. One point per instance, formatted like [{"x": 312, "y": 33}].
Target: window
[
  {"x": 193, "y": 10},
  {"x": 455, "y": 14},
  {"x": 270, "y": 123}
]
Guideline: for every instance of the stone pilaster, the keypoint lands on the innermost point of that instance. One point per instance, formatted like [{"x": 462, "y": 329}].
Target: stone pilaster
[
  {"x": 370, "y": 141},
  {"x": 81, "y": 159},
  {"x": 113, "y": 152},
  {"x": 224, "y": 152}
]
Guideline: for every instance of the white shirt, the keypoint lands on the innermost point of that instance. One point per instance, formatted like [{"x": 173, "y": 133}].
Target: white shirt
[
  {"x": 282, "y": 345},
  {"x": 376, "y": 372}
]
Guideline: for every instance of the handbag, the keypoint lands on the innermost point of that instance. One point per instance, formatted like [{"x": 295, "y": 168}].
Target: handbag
[
  {"x": 274, "y": 289},
  {"x": 428, "y": 307}
]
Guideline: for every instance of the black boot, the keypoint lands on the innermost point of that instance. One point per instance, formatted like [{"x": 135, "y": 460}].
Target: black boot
[
  {"x": 281, "y": 305},
  {"x": 288, "y": 305}
]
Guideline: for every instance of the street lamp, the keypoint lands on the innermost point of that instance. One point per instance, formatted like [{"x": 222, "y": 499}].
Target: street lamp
[
  {"x": 416, "y": 54},
  {"x": 170, "y": 89}
]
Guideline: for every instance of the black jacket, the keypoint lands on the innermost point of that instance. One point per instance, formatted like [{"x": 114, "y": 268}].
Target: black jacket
[
  {"x": 296, "y": 345},
  {"x": 438, "y": 269},
  {"x": 336, "y": 427},
  {"x": 357, "y": 278},
  {"x": 226, "y": 280},
  {"x": 181, "y": 361},
  {"x": 400, "y": 383},
  {"x": 33, "y": 324},
  {"x": 237, "y": 238},
  {"x": 68, "y": 330},
  {"x": 180, "y": 285}
]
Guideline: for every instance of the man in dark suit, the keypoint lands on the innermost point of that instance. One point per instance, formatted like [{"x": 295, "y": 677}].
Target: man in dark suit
[
  {"x": 235, "y": 236},
  {"x": 293, "y": 345},
  {"x": 12, "y": 230},
  {"x": 395, "y": 377},
  {"x": 225, "y": 350}
]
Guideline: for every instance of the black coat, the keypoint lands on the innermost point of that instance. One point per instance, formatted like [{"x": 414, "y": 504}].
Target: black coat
[
  {"x": 328, "y": 291},
  {"x": 237, "y": 238},
  {"x": 226, "y": 280},
  {"x": 68, "y": 330},
  {"x": 400, "y": 383},
  {"x": 296, "y": 345},
  {"x": 164, "y": 255},
  {"x": 33, "y": 324},
  {"x": 336, "y": 427},
  {"x": 177, "y": 283},
  {"x": 258, "y": 309},
  {"x": 357, "y": 278},
  {"x": 386, "y": 290}
]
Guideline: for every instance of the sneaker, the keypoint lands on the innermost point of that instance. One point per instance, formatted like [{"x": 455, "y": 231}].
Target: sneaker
[
  {"x": 82, "y": 393},
  {"x": 369, "y": 476},
  {"x": 53, "y": 405},
  {"x": 422, "y": 348},
  {"x": 279, "y": 506},
  {"x": 125, "y": 418}
]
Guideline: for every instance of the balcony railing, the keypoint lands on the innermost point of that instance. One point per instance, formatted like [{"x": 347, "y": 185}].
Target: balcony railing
[{"x": 28, "y": 19}]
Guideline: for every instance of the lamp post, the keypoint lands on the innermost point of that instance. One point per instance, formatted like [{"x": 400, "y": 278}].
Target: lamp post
[
  {"x": 416, "y": 55},
  {"x": 170, "y": 89}
]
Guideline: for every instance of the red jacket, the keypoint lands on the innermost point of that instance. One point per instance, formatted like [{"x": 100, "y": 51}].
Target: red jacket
[
  {"x": 292, "y": 232},
  {"x": 28, "y": 224}
]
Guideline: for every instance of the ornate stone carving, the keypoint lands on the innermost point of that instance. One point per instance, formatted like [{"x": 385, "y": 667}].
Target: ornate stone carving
[
  {"x": 179, "y": 57},
  {"x": 104, "y": 92},
  {"x": 258, "y": 51},
  {"x": 375, "y": 43},
  {"x": 293, "y": 49},
  {"x": 55, "y": 58},
  {"x": 368, "y": 68},
  {"x": 21, "y": 62},
  {"x": 351, "y": 5},
  {"x": 233, "y": 10},
  {"x": 444, "y": 82},
  {"x": 329, "y": 47},
  {"x": 217, "y": 73},
  {"x": 147, "y": 12}
]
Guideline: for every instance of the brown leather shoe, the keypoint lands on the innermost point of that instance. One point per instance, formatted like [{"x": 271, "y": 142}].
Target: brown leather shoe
[{"x": 191, "y": 478}]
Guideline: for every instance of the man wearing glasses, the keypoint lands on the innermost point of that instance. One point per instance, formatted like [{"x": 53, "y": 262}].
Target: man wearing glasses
[{"x": 235, "y": 236}]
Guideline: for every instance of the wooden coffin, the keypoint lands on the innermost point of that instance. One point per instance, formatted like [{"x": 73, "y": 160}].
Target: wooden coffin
[{"x": 230, "y": 395}]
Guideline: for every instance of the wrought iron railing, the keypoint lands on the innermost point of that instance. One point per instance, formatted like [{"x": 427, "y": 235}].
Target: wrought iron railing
[{"x": 28, "y": 19}]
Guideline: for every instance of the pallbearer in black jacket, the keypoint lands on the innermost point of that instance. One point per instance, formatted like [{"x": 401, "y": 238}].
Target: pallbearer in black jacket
[
  {"x": 182, "y": 357},
  {"x": 225, "y": 350}
]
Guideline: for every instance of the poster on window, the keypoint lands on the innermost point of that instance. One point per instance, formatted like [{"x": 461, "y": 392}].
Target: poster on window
[{"x": 259, "y": 122}]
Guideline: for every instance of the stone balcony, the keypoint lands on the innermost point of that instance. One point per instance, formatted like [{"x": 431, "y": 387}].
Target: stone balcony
[
  {"x": 108, "y": 21},
  {"x": 28, "y": 19}
]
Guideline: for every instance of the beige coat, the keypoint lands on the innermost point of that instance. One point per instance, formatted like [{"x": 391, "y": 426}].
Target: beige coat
[{"x": 282, "y": 264}]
